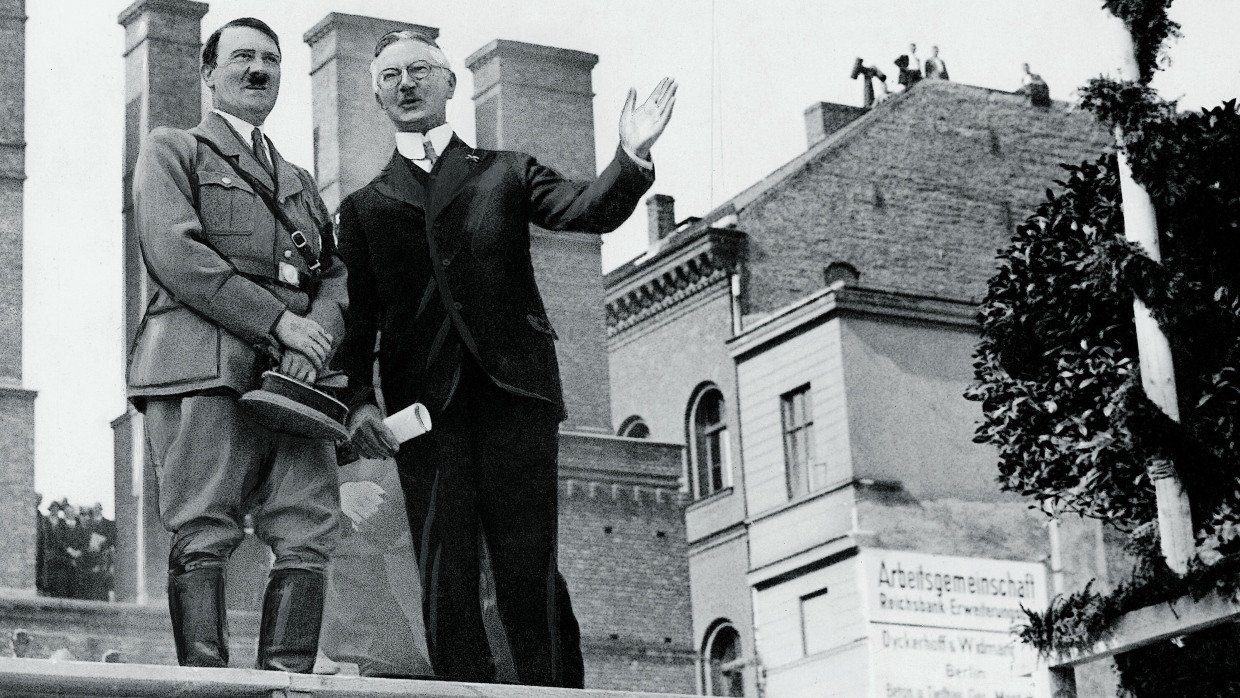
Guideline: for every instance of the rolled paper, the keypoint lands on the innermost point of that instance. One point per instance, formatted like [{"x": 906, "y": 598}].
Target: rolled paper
[{"x": 413, "y": 421}]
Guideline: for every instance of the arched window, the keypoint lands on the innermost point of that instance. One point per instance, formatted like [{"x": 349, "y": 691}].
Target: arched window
[
  {"x": 634, "y": 428},
  {"x": 722, "y": 662},
  {"x": 708, "y": 443}
]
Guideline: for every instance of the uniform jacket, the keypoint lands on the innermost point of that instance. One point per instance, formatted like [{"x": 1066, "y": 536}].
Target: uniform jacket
[
  {"x": 215, "y": 265},
  {"x": 466, "y": 234}
]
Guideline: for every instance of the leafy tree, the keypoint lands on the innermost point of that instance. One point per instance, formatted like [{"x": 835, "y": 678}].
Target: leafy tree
[{"x": 1057, "y": 369}]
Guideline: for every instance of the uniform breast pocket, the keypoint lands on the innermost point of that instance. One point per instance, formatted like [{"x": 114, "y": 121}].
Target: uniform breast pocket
[{"x": 225, "y": 204}]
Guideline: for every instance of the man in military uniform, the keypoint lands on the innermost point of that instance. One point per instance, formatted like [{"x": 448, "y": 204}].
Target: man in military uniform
[{"x": 235, "y": 292}]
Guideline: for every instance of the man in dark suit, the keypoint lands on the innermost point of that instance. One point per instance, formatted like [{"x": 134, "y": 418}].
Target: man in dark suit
[
  {"x": 437, "y": 248},
  {"x": 232, "y": 291}
]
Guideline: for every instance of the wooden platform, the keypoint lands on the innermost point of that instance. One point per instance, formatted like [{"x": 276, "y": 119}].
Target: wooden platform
[{"x": 42, "y": 678}]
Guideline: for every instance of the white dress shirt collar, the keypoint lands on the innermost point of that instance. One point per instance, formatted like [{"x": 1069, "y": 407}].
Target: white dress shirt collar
[
  {"x": 409, "y": 144},
  {"x": 245, "y": 129}
]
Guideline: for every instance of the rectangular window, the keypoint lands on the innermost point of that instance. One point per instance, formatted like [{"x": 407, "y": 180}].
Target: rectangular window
[
  {"x": 816, "y": 623},
  {"x": 798, "y": 422}
]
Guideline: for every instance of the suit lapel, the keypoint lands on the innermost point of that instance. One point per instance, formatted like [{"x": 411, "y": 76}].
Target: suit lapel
[
  {"x": 396, "y": 181},
  {"x": 230, "y": 143},
  {"x": 454, "y": 169}
]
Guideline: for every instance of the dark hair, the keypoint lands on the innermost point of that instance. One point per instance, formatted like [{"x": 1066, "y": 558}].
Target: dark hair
[
  {"x": 210, "y": 50},
  {"x": 403, "y": 35}
]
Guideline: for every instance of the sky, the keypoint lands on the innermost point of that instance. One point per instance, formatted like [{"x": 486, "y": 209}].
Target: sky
[{"x": 747, "y": 71}]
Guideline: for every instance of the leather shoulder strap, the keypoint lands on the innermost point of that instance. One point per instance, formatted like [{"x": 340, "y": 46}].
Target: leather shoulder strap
[{"x": 268, "y": 197}]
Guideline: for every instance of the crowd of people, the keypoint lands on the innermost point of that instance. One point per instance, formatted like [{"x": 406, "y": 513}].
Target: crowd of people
[{"x": 74, "y": 552}]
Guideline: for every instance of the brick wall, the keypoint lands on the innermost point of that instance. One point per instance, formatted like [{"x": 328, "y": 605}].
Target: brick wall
[
  {"x": 623, "y": 552},
  {"x": 17, "y": 489},
  {"x": 12, "y": 174},
  {"x": 628, "y": 572},
  {"x": 918, "y": 195},
  {"x": 16, "y": 404}
]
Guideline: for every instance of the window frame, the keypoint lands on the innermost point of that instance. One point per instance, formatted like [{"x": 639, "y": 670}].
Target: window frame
[
  {"x": 631, "y": 423},
  {"x": 798, "y": 439},
  {"x": 720, "y": 675},
  {"x": 716, "y": 433}
]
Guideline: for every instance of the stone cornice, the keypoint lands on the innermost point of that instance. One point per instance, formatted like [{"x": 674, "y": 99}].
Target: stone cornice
[
  {"x": 338, "y": 20},
  {"x": 840, "y": 299},
  {"x": 193, "y": 11},
  {"x": 664, "y": 283},
  {"x": 18, "y": 392},
  {"x": 506, "y": 48},
  {"x": 648, "y": 496}
]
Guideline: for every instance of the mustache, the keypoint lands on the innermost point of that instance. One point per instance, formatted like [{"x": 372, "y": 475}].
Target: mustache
[{"x": 257, "y": 80}]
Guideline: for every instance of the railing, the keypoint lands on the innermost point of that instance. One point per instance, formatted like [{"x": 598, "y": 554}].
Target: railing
[
  {"x": 41, "y": 678},
  {"x": 1142, "y": 627}
]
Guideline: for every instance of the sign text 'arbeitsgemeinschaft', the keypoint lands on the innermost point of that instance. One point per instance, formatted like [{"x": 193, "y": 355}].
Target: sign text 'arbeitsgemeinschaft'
[{"x": 952, "y": 591}]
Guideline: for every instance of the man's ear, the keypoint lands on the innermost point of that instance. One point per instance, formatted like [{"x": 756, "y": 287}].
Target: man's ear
[
  {"x": 208, "y": 73},
  {"x": 451, "y": 84}
]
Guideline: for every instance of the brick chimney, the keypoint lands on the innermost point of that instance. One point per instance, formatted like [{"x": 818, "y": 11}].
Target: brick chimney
[
  {"x": 539, "y": 100},
  {"x": 661, "y": 214},
  {"x": 825, "y": 118},
  {"x": 17, "y": 547},
  {"x": 353, "y": 138},
  {"x": 163, "y": 42}
]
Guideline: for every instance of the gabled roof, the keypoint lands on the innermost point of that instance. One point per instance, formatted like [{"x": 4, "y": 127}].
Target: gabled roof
[
  {"x": 1005, "y": 116},
  {"x": 999, "y": 118}
]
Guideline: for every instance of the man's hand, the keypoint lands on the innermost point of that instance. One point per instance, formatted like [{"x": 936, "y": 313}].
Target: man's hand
[
  {"x": 371, "y": 438},
  {"x": 294, "y": 364},
  {"x": 304, "y": 335},
  {"x": 641, "y": 126},
  {"x": 360, "y": 500}
]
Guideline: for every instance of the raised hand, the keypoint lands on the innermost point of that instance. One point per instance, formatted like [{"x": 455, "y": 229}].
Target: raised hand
[{"x": 641, "y": 126}]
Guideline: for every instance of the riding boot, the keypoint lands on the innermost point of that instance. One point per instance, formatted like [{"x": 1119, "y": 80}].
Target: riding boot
[
  {"x": 288, "y": 638},
  {"x": 199, "y": 620}
]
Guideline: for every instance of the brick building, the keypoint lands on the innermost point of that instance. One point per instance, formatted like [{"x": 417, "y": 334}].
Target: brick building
[
  {"x": 809, "y": 341},
  {"x": 17, "y": 554},
  {"x": 852, "y": 271}
]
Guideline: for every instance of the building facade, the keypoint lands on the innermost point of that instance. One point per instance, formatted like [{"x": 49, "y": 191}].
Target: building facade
[{"x": 809, "y": 342}]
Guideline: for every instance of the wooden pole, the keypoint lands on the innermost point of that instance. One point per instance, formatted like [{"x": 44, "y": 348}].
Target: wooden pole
[{"x": 1175, "y": 524}]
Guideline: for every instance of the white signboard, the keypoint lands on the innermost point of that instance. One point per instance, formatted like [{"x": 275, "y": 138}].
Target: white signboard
[
  {"x": 912, "y": 662},
  {"x": 951, "y": 592},
  {"x": 940, "y": 626}
]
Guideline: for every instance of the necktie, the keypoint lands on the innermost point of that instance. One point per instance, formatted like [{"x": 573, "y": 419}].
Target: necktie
[
  {"x": 431, "y": 155},
  {"x": 260, "y": 152}
]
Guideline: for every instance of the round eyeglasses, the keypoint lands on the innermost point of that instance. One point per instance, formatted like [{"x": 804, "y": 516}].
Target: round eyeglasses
[{"x": 389, "y": 78}]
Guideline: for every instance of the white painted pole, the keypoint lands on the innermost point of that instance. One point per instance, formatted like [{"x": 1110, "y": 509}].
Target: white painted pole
[{"x": 1175, "y": 524}]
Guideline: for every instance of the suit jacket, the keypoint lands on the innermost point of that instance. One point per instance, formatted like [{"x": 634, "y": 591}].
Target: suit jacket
[
  {"x": 213, "y": 250},
  {"x": 464, "y": 239}
]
